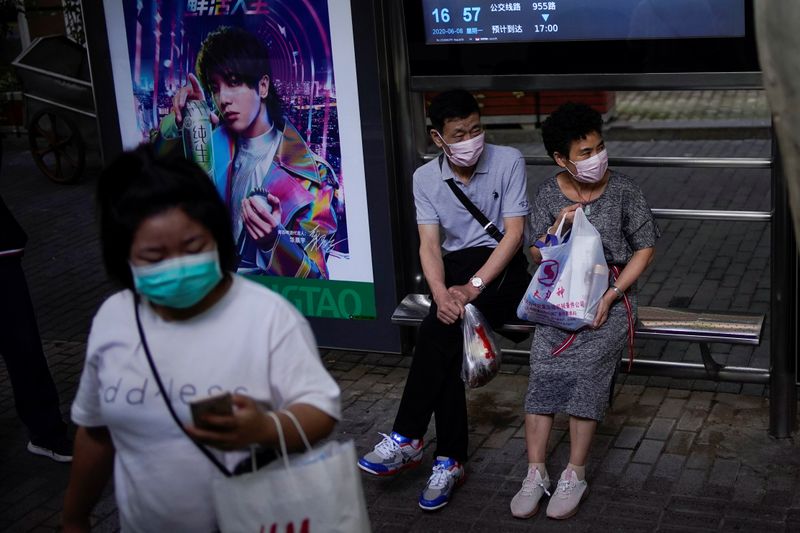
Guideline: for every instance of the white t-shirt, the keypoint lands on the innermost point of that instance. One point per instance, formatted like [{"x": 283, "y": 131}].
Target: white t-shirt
[{"x": 251, "y": 342}]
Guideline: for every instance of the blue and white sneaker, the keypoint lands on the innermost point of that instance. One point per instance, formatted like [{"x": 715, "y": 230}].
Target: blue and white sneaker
[
  {"x": 447, "y": 475},
  {"x": 393, "y": 454}
]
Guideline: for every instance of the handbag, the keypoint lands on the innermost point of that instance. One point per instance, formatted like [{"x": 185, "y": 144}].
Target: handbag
[
  {"x": 482, "y": 358},
  {"x": 570, "y": 281},
  {"x": 316, "y": 491}
]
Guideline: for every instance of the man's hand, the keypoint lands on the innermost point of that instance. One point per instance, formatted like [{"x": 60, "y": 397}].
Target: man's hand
[
  {"x": 247, "y": 425},
  {"x": 449, "y": 308},
  {"x": 464, "y": 293},
  {"x": 190, "y": 91},
  {"x": 261, "y": 219}
]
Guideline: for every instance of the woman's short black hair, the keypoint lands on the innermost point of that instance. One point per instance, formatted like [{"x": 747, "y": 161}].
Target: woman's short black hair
[
  {"x": 231, "y": 52},
  {"x": 569, "y": 123},
  {"x": 457, "y": 103},
  {"x": 140, "y": 184}
]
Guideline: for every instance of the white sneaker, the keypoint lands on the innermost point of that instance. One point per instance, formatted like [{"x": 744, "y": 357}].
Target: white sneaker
[
  {"x": 447, "y": 475},
  {"x": 525, "y": 503},
  {"x": 391, "y": 455},
  {"x": 568, "y": 495}
]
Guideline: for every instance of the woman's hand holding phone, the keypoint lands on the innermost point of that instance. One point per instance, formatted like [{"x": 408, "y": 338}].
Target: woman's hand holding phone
[{"x": 246, "y": 424}]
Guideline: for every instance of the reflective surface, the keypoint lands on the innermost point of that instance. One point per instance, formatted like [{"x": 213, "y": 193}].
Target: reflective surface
[{"x": 654, "y": 322}]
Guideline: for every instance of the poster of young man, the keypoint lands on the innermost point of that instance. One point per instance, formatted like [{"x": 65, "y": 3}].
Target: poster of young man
[{"x": 261, "y": 94}]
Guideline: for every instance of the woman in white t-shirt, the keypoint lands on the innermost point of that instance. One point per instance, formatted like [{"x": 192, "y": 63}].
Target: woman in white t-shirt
[{"x": 166, "y": 238}]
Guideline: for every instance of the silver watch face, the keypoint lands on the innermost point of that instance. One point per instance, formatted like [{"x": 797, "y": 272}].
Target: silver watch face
[{"x": 477, "y": 282}]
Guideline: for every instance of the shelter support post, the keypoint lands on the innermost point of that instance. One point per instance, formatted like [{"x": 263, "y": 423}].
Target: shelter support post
[{"x": 784, "y": 299}]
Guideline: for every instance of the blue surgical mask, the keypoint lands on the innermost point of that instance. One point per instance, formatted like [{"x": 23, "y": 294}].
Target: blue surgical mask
[{"x": 179, "y": 282}]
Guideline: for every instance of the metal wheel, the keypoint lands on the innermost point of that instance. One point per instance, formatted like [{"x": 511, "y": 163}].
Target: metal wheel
[{"x": 56, "y": 146}]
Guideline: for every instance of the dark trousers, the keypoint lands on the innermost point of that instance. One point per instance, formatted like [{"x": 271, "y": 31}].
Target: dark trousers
[
  {"x": 434, "y": 383},
  {"x": 35, "y": 393}
]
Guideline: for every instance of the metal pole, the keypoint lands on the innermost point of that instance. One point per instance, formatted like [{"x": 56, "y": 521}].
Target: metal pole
[{"x": 783, "y": 309}]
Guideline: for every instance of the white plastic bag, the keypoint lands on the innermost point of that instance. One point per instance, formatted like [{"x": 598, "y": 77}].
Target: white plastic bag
[
  {"x": 318, "y": 491},
  {"x": 570, "y": 281},
  {"x": 482, "y": 358}
]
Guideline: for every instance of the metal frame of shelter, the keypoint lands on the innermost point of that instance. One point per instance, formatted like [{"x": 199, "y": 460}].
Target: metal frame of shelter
[{"x": 404, "y": 93}]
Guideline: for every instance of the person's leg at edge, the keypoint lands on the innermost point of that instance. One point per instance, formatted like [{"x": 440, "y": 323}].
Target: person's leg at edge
[
  {"x": 35, "y": 394},
  {"x": 450, "y": 410},
  {"x": 525, "y": 503},
  {"x": 452, "y": 435},
  {"x": 572, "y": 486},
  {"x": 537, "y": 433},
  {"x": 437, "y": 343},
  {"x": 581, "y": 433}
]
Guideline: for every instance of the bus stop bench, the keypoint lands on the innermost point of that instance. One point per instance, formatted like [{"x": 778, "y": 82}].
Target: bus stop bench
[{"x": 670, "y": 324}]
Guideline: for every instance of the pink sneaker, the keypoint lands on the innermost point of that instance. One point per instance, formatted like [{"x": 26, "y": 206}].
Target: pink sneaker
[
  {"x": 567, "y": 496},
  {"x": 525, "y": 503}
]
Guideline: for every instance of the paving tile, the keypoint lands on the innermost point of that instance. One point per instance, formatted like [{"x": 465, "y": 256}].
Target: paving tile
[
  {"x": 724, "y": 472},
  {"x": 611, "y": 424},
  {"x": 641, "y": 415},
  {"x": 751, "y": 524},
  {"x": 629, "y": 437},
  {"x": 634, "y": 477},
  {"x": 671, "y": 407},
  {"x": 680, "y": 442},
  {"x": 669, "y": 466},
  {"x": 691, "y": 482},
  {"x": 648, "y": 451},
  {"x": 700, "y": 400},
  {"x": 692, "y": 419},
  {"x": 697, "y": 504},
  {"x": 701, "y": 457},
  {"x": 660, "y": 428},
  {"x": 613, "y": 520},
  {"x": 678, "y": 393},
  {"x": 692, "y": 520},
  {"x": 499, "y": 438},
  {"x": 652, "y": 396},
  {"x": 749, "y": 488},
  {"x": 616, "y": 460}
]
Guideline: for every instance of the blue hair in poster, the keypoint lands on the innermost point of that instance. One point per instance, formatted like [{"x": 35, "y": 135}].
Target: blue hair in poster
[{"x": 247, "y": 89}]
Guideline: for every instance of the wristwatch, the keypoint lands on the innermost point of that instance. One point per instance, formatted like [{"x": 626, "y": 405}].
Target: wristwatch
[
  {"x": 616, "y": 289},
  {"x": 477, "y": 283}
]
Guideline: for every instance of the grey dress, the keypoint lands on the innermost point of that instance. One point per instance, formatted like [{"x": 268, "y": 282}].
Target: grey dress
[{"x": 577, "y": 380}]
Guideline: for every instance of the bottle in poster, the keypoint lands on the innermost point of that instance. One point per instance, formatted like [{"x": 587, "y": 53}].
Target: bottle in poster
[{"x": 197, "y": 141}]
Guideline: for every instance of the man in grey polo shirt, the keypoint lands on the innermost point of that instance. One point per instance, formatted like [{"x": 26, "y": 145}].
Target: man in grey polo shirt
[{"x": 481, "y": 266}]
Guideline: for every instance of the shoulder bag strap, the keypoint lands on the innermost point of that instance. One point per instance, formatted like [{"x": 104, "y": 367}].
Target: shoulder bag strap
[
  {"x": 206, "y": 452},
  {"x": 487, "y": 224}
]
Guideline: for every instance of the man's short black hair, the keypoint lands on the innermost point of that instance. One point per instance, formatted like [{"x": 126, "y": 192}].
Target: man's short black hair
[
  {"x": 140, "y": 184},
  {"x": 233, "y": 52},
  {"x": 570, "y": 122},
  {"x": 457, "y": 103}
]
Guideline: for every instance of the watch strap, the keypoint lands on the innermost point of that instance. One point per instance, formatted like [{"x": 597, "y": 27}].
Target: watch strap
[
  {"x": 479, "y": 287},
  {"x": 616, "y": 289}
]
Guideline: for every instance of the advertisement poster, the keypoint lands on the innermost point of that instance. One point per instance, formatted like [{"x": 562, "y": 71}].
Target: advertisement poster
[{"x": 263, "y": 95}]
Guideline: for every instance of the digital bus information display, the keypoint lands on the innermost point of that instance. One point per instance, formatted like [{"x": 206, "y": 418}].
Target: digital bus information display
[{"x": 477, "y": 21}]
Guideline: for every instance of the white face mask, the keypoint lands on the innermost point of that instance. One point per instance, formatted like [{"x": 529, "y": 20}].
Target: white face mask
[
  {"x": 464, "y": 153},
  {"x": 590, "y": 170}
]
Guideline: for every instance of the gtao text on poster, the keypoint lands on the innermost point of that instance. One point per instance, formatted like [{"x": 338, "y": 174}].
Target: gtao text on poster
[{"x": 262, "y": 94}]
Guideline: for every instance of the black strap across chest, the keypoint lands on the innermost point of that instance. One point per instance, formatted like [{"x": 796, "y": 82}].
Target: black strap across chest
[{"x": 482, "y": 219}]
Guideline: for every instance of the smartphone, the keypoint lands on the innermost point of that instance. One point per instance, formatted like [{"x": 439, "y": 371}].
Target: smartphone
[{"x": 220, "y": 404}]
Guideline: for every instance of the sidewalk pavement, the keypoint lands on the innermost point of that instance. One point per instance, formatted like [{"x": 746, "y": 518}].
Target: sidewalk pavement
[{"x": 671, "y": 455}]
